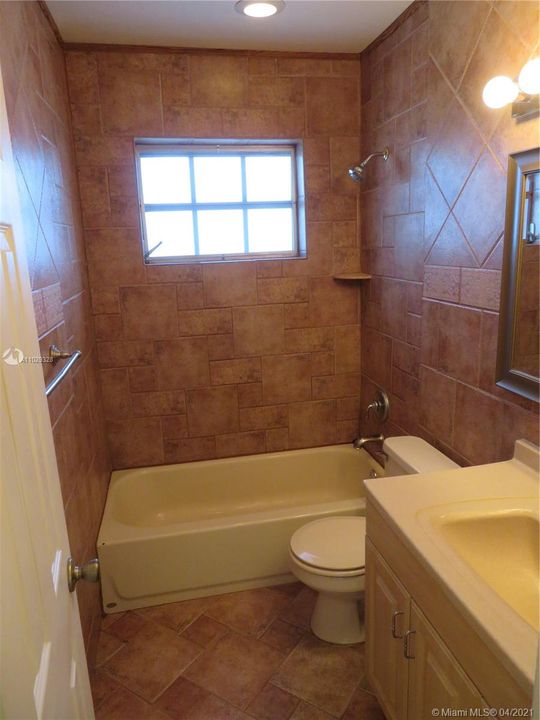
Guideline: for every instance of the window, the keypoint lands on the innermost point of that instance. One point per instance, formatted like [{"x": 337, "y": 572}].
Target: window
[{"x": 219, "y": 201}]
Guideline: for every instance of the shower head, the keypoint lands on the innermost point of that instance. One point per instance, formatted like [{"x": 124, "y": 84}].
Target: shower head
[{"x": 356, "y": 172}]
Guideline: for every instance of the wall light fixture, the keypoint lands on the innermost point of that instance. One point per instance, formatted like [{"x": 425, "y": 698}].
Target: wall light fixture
[
  {"x": 523, "y": 93},
  {"x": 256, "y": 9}
]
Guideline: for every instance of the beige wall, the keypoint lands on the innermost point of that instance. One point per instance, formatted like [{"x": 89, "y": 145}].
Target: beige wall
[
  {"x": 211, "y": 360},
  {"x": 34, "y": 80},
  {"x": 433, "y": 219}
]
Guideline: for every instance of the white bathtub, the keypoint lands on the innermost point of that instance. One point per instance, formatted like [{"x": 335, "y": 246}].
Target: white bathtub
[{"x": 176, "y": 532}]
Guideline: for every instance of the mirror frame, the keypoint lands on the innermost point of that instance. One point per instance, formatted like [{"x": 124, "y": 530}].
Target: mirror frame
[{"x": 506, "y": 376}]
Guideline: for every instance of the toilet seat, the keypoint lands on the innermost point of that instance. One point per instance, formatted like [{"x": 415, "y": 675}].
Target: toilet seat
[
  {"x": 338, "y": 574},
  {"x": 331, "y": 546}
]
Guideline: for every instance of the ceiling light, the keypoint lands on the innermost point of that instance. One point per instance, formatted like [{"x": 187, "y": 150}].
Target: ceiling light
[
  {"x": 529, "y": 77},
  {"x": 259, "y": 9},
  {"x": 500, "y": 91}
]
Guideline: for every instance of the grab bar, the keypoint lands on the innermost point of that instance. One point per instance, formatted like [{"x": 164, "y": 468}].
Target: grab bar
[{"x": 57, "y": 354}]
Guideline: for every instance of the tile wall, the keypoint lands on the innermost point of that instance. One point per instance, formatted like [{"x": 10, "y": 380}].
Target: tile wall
[
  {"x": 204, "y": 361},
  {"x": 34, "y": 80},
  {"x": 432, "y": 223}
]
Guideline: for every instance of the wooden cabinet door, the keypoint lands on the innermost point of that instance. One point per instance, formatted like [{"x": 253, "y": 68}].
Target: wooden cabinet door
[
  {"x": 436, "y": 680},
  {"x": 387, "y": 619}
]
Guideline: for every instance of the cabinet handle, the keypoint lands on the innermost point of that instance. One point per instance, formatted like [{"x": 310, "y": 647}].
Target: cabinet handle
[
  {"x": 395, "y": 616},
  {"x": 406, "y": 645}
]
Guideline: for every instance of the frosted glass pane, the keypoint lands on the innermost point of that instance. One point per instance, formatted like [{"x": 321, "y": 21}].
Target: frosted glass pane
[
  {"x": 173, "y": 229},
  {"x": 270, "y": 230},
  {"x": 218, "y": 179},
  {"x": 268, "y": 178},
  {"x": 221, "y": 232},
  {"x": 165, "y": 180}
]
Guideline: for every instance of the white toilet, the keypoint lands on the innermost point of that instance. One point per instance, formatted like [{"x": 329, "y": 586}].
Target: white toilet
[{"x": 328, "y": 555}]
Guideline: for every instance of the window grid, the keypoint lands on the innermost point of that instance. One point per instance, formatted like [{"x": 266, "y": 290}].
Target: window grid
[
  {"x": 194, "y": 215},
  {"x": 244, "y": 205},
  {"x": 244, "y": 201}
]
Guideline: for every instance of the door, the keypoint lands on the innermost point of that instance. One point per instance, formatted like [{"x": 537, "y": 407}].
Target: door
[
  {"x": 43, "y": 672},
  {"x": 436, "y": 680},
  {"x": 387, "y": 619}
]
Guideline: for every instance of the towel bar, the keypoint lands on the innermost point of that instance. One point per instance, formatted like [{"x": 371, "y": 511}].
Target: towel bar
[{"x": 57, "y": 354}]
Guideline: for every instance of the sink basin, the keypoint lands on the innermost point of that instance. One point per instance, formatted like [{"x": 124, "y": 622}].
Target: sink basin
[{"x": 502, "y": 547}]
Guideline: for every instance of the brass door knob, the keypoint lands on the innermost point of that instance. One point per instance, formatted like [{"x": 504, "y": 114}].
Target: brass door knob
[{"x": 89, "y": 571}]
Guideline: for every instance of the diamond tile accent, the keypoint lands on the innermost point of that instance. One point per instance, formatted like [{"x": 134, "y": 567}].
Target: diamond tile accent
[
  {"x": 453, "y": 32},
  {"x": 479, "y": 210},
  {"x": 436, "y": 211},
  {"x": 463, "y": 199},
  {"x": 456, "y": 150},
  {"x": 451, "y": 247}
]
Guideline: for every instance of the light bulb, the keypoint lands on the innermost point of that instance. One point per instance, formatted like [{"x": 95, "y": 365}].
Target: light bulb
[
  {"x": 529, "y": 77},
  {"x": 500, "y": 91},
  {"x": 259, "y": 9}
]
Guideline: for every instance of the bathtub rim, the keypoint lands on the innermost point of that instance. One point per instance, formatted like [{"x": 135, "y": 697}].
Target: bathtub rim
[{"x": 114, "y": 531}]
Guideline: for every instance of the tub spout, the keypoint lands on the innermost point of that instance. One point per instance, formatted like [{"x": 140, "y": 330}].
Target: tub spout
[{"x": 361, "y": 442}]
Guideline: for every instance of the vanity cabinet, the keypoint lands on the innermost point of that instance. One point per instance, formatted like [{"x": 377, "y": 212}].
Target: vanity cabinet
[
  {"x": 409, "y": 667},
  {"x": 436, "y": 679},
  {"x": 387, "y": 619}
]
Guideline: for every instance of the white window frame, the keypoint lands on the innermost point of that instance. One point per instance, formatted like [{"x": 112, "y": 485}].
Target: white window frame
[{"x": 243, "y": 148}]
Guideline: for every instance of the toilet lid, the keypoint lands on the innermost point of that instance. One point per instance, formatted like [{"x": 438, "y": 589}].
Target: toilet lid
[{"x": 336, "y": 543}]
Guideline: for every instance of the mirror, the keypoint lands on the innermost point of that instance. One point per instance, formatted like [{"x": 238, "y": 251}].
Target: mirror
[{"x": 517, "y": 353}]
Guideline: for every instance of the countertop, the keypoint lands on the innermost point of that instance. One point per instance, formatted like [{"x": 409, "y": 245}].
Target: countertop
[{"x": 404, "y": 502}]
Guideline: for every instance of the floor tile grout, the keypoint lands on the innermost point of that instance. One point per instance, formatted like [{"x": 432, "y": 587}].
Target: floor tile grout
[{"x": 115, "y": 652}]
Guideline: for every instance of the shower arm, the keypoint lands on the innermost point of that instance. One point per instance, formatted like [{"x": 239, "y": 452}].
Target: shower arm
[{"x": 380, "y": 153}]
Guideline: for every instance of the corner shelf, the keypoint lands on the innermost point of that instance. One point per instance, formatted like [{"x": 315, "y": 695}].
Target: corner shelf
[{"x": 352, "y": 276}]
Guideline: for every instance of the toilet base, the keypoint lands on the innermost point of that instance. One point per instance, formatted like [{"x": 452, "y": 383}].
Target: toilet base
[{"x": 338, "y": 618}]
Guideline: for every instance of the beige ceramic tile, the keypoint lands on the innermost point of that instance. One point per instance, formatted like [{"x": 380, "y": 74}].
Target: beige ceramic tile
[
  {"x": 248, "y": 612},
  {"x": 205, "y": 631},
  {"x": 151, "y": 659},
  {"x": 124, "y": 705},
  {"x": 273, "y": 703},
  {"x": 299, "y": 611},
  {"x": 212, "y": 411},
  {"x": 186, "y": 701},
  {"x": 108, "y": 645},
  {"x": 305, "y": 711},
  {"x": 247, "y": 324},
  {"x": 282, "y": 636},
  {"x": 321, "y": 673},
  {"x": 102, "y": 686},
  {"x": 286, "y": 378},
  {"x": 235, "y": 669},
  {"x": 177, "y": 616},
  {"x": 363, "y": 705}
]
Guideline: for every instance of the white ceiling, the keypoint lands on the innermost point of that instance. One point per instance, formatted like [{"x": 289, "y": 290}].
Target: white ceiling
[{"x": 303, "y": 25}]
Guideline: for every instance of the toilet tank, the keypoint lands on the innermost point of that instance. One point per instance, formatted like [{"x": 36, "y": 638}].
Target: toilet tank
[{"x": 408, "y": 455}]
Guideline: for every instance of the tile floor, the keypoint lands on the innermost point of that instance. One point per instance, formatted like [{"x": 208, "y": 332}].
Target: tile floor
[{"x": 242, "y": 656}]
